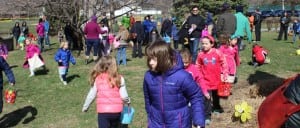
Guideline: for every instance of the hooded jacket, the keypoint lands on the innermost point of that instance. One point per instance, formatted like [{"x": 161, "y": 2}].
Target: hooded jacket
[
  {"x": 167, "y": 97},
  {"x": 65, "y": 56}
]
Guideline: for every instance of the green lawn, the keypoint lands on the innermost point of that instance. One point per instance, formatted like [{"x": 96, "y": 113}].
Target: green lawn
[{"x": 57, "y": 106}]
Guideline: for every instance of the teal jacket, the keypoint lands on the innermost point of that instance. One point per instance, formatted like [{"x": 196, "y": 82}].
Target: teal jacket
[{"x": 242, "y": 25}]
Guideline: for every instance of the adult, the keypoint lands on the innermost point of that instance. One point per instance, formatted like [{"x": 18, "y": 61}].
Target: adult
[
  {"x": 131, "y": 19},
  {"x": 40, "y": 30},
  {"x": 257, "y": 23},
  {"x": 125, "y": 21},
  {"x": 209, "y": 23},
  {"x": 226, "y": 22},
  {"x": 147, "y": 28},
  {"x": 104, "y": 21},
  {"x": 47, "y": 27},
  {"x": 166, "y": 28},
  {"x": 284, "y": 24},
  {"x": 195, "y": 24},
  {"x": 137, "y": 36},
  {"x": 242, "y": 25},
  {"x": 24, "y": 29},
  {"x": 92, "y": 31},
  {"x": 69, "y": 34},
  {"x": 16, "y": 31}
]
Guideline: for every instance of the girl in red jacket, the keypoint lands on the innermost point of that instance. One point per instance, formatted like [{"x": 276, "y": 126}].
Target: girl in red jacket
[
  {"x": 108, "y": 87},
  {"x": 211, "y": 62},
  {"x": 259, "y": 55}
]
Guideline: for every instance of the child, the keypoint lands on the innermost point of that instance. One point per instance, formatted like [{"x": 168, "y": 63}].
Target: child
[
  {"x": 105, "y": 41},
  {"x": 21, "y": 41},
  {"x": 109, "y": 89},
  {"x": 60, "y": 35},
  {"x": 33, "y": 58},
  {"x": 10, "y": 75},
  {"x": 296, "y": 29},
  {"x": 3, "y": 50},
  {"x": 211, "y": 62},
  {"x": 229, "y": 49},
  {"x": 168, "y": 89},
  {"x": 175, "y": 36},
  {"x": 63, "y": 56},
  {"x": 121, "y": 49},
  {"x": 259, "y": 55}
]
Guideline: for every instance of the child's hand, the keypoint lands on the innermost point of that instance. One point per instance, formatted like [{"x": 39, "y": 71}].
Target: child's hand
[{"x": 207, "y": 96}]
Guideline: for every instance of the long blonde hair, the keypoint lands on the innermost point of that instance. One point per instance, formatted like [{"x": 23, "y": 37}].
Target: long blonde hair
[{"x": 106, "y": 64}]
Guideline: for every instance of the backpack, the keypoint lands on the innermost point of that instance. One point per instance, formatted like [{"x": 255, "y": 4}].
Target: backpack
[{"x": 280, "y": 108}]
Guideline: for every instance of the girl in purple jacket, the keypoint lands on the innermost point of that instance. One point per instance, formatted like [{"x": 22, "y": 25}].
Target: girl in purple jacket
[{"x": 168, "y": 89}]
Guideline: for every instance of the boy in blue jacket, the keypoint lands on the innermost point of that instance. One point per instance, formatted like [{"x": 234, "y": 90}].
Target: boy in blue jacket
[
  {"x": 63, "y": 57},
  {"x": 9, "y": 74}
]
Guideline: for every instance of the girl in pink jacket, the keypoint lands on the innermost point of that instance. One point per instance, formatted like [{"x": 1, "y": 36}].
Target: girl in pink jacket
[
  {"x": 108, "y": 87},
  {"x": 211, "y": 62},
  {"x": 230, "y": 51},
  {"x": 32, "y": 51}
]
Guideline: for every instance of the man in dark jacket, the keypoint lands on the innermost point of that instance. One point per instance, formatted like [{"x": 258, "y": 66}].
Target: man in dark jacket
[
  {"x": 137, "y": 36},
  {"x": 257, "y": 23},
  {"x": 195, "y": 24},
  {"x": 11, "y": 78},
  {"x": 284, "y": 24},
  {"x": 226, "y": 22}
]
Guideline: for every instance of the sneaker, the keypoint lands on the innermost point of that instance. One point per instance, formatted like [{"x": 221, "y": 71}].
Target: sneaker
[
  {"x": 86, "y": 61},
  {"x": 218, "y": 111},
  {"x": 207, "y": 121},
  {"x": 255, "y": 64},
  {"x": 65, "y": 83},
  {"x": 31, "y": 75}
]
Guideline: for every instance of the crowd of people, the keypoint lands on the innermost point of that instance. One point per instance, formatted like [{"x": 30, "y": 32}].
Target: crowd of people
[{"x": 180, "y": 88}]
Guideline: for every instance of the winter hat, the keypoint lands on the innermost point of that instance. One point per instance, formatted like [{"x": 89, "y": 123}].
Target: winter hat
[
  {"x": 225, "y": 6},
  {"x": 94, "y": 18},
  {"x": 239, "y": 8},
  {"x": 212, "y": 40}
]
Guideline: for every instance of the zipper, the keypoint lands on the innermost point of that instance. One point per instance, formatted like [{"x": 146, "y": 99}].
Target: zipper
[{"x": 162, "y": 100}]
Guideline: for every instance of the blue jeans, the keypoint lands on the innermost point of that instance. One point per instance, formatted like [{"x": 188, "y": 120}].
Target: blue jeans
[
  {"x": 41, "y": 42},
  {"x": 194, "y": 46},
  {"x": 121, "y": 55},
  {"x": 295, "y": 37},
  {"x": 92, "y": 43},
  {"x": 47, "y": 41}
]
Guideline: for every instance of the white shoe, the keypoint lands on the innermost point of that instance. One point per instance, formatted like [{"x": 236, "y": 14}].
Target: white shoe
[
  {"x": 65, "y": 83},
  {"x": 61, "y": 79},
  {"x": 31, "y": 75}
]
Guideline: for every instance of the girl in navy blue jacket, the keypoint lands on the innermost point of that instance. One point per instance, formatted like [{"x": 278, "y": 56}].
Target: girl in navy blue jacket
[
  {"x": 63, "y": 57},
  {"x": 168, "y": 89}
]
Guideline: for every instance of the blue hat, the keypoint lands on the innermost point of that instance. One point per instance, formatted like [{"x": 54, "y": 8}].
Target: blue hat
[{"x": 239, "y": 8}]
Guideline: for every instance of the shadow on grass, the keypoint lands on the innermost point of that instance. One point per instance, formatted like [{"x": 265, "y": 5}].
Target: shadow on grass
[
  {"x": 13, "y": 118},
  {"x": 41, "y": 72},
  {"x": 70, "y": 78},
  {"x": 14, "y": 66},
  {"x": 265, "y": 82}
]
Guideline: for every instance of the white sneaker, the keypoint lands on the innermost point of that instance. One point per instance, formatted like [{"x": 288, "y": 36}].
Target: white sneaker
[
  {"x": 65, "y": 83},
  {"x": 61, "y": 79},
  {"x": 31, "y": 75}
]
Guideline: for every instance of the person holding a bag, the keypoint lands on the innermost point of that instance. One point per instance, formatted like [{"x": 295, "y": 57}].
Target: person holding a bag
[
  {"x": 109, "y": 89},
  {"x": 33, "y": 58},
  {"x": 168, "y": 89},
  {"x": 211, "y": 62},
  {"x": 166, "y": 30}
]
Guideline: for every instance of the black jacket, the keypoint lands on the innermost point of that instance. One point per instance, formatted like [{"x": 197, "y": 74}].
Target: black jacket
[
  {"x": 199, "y": 21},
  {"x": 16, "y": 31},
  {"x": 166, "y": 28},
  {"x": 138, "y": 28},
  {"x": 284, "y": 21}
]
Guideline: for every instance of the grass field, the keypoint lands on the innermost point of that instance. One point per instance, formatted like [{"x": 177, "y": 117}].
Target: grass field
[{"x": 44, "y": 102}]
